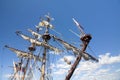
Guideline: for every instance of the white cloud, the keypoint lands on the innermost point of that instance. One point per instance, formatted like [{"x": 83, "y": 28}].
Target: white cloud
[
  {"x": 60, "y": 72},
  {"x": 88, "y": 65},
  {"x": 90, "y": 70},
  {"x": 70, "y": 58},
  {"x": 107, "y": 59},
  {"x": 102, "y": 71},
  {"x": 118, "y": 70},
  {"x": 62, "y": 66}
]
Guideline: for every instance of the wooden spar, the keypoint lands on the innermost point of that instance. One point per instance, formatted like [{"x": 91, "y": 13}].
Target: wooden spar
[
  {"x": 38, "y": 43},
  {"x": 43, "y": 65},
  {"x": 31, "y": 49},
  {"x": 85, "y": 39},
  {"x": 46, "y": 37},
  {"x": 24, "y": 74}
]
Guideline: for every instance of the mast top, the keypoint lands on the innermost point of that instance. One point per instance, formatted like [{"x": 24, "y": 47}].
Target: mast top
[
  {"x": 79, "y": 26},
  {"x": 45, "y": 23}
]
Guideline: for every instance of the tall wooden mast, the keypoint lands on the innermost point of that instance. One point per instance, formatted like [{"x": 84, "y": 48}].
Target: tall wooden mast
[
  {"x": 46, "y": 37},
  {"x": 85, "y": 41},
  {"x": 31, "y": 50}
]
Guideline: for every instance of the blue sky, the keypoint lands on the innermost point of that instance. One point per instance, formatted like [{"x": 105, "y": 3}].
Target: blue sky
[{"x": 99, "y": 18}]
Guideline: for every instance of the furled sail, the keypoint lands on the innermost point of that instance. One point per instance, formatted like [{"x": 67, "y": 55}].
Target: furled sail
[
  {"x": 46, "y": 24},
  {"x": 24, "y": 54},
  {"x": 37, "y": 35},
  {"x": 39, "y": 43},
  {"x": 75, "y": 50},
  {"x": 68, "y": 46},
  {"x": 87, "y": 56}
]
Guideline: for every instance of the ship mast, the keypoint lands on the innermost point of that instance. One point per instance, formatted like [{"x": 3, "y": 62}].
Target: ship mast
[
  {"x": 85, "y": 38},
  {"x": 31, "y": 50},
  {"x": 46, "y": 37}
]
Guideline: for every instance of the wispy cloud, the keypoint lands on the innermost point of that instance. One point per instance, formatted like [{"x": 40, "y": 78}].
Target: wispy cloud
[
  {"x": 91, "y": 70},
  {"x": 60, "y": 67},
  {"x": 107, "y": 59}
]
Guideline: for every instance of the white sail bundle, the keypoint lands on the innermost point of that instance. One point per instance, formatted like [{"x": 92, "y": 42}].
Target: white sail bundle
[
  {"x": 75, "y": 50},
  {"x": 45, "y": 24},
  {"x": 24, "y": 54},
  {"x": 37, "y": 35},
  {"x": 68, "y": 46},
  {"x": 39, "y": 43}
]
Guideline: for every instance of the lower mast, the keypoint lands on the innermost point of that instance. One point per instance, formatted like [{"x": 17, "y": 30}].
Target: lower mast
[
  {"x": 31, "y": 50},
  {"x": 85, "y": 39},
  {"x": 43, "y": 65},
  {"x": 46, "y": 37}
]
